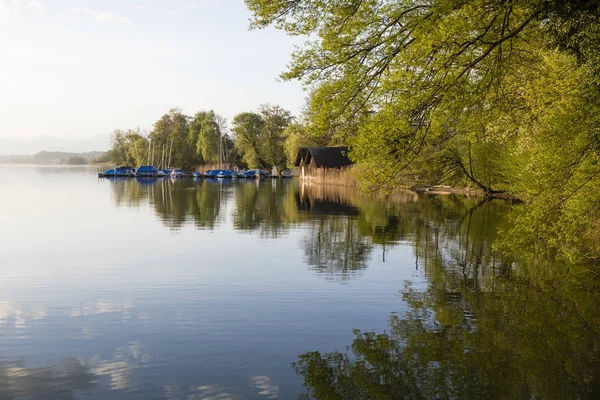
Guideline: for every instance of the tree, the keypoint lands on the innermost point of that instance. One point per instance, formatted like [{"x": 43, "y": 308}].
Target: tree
[
  {"x": 481, "y": 93},
  {"x": 276, "y": 120},
  {"x": 127, "y": 147},
  {"x": 206, "y": 134},
  {"x": 296, "y": 136},
  {"x": 260, "y": 137},
  {"x": 248, "y": 128},
  {"x": 170, "y": 140}
]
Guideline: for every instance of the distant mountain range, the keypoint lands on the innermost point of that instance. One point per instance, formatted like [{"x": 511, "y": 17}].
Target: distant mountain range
[{"x": 34, "y": 145}]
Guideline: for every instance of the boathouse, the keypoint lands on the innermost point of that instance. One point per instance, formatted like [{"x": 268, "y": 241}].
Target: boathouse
[{"x": 318, "y": 162}]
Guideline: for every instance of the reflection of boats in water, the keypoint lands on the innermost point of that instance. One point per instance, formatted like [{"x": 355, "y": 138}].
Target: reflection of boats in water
[{"x": 145, "y": 180}]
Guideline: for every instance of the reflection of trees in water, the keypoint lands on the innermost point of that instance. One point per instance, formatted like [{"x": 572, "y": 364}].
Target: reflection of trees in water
[
  {"x": 56, "y": 382},
  {"x": 334, "y": 247},
  {"x": 522, "y": 344},
  {"x": 486, "y": 326},
  {"x": 175, "y": 201},
  {"x": 267, "y": 207}
]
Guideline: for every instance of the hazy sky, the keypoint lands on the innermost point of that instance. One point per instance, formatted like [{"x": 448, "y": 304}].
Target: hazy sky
[{"x": 85, "y": 67}]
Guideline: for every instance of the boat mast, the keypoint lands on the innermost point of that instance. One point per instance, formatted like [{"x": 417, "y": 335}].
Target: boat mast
[
  {"x": 170, "y": 152},
  {"x": 153, "y": 147}
]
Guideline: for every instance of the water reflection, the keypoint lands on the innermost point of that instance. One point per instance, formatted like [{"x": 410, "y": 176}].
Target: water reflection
[
  {"x": 485, "y": 326},
  {"x": 342, "y": 227},
  {"x": 475, "y": 323},
  {"x": 175, "y": 202},
  {"x": 55, "y": 382}
]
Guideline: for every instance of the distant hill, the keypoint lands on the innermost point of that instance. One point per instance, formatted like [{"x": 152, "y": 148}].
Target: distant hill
[
  {"x": 52, "y": 157},
  {"x": 56, "y": 157},
  {"x": 29, "y": 146}
]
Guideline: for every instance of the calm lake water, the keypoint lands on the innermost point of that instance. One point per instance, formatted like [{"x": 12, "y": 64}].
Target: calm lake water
[{"x": 125, "y": 289}]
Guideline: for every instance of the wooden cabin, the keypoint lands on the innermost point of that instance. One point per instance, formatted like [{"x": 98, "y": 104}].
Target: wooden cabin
[{"x": 317, "y": 162}]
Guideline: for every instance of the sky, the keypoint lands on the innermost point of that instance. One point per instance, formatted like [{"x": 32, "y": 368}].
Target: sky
[{"x": 82, "y": 68}]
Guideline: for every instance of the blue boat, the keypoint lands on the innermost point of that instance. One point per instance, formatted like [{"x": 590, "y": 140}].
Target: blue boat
[
  {"x": 123, "y": 171},
  {"x": 198, "y": 174},
  {"x": 218, "y": 173},
  {"x": 223, "y": 173},
  {"x": 146, "y": 171},
  {"x": 255, "y": 173}
]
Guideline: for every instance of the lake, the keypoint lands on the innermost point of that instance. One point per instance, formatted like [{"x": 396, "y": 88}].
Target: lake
[{"x": 198, "y": 289}]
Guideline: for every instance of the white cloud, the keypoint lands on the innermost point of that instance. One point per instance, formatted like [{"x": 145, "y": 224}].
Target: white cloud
[
  {"x": 101, "y": 16},
  {"x": 36, "y": 7},
  {"x": 11, "y": 7},
  {"x": 265, "y": 386},
  {"x": 5, "y": 11},
  {"x": 141, "y": 7}
]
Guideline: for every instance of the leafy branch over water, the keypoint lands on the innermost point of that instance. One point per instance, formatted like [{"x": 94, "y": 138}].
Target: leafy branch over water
[{"x": 498, "y": 95}]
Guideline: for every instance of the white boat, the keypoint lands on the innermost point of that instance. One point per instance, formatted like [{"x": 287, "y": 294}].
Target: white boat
[{"x": 176, "y": 173}]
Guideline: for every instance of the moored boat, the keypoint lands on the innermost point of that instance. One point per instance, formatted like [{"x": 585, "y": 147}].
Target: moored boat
[
  {"x": 146, "y": 171},
  {"x": 255, "y": 173},
  {"x": 177, "y": 173},
  {"x": 123, "y": 171},
  {"x": 223, "y": 173}
]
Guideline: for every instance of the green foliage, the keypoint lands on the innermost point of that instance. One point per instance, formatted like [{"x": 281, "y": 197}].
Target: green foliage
[
  {"x": 208, "y": 131},
  {"x": 248, "y": 128},
  {"x": 259, "y": 137},
  {"x": 170, "y": 137},
  {"x": 501, "y": 96},
  {"x": 296, "y": 137},
  {"x": 129, "y": 147},
  {"x": 176, "y": 140}
]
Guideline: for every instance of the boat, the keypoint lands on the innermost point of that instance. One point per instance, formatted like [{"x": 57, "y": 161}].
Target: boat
[
  {"x": 161, "y": 173},
  {"x": 197, "y": 174},
  {"x": 286, "y": 173},
  {"x": 177, "y": 173},
  {"x": 223, "y": 173},
  {"x": 218, "y": 173},
  {"x": 255, "y": 173},
  {"x": 146, "y": 171},
  {"x": 123, "y": 172}
]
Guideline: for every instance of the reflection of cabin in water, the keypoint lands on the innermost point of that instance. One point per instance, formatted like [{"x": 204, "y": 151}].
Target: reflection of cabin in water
[{"x": 315, "y": 161}]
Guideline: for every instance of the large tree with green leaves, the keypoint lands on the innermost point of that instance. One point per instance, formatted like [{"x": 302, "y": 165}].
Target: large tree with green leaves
[
  {"x": 499, "y": 95},
  {"x": 170, "y": 138},
  {"x": 260, "y": 138},
  {"x": 208, "y": 131}
]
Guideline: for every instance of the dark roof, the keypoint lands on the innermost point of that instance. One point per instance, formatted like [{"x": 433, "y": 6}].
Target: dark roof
[
  {"x": 324, "y": 157},
  {"x": 302, "y": 152}
]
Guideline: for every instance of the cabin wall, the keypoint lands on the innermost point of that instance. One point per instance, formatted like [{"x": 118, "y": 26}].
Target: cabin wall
[{"x": 329, "y": 176}]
